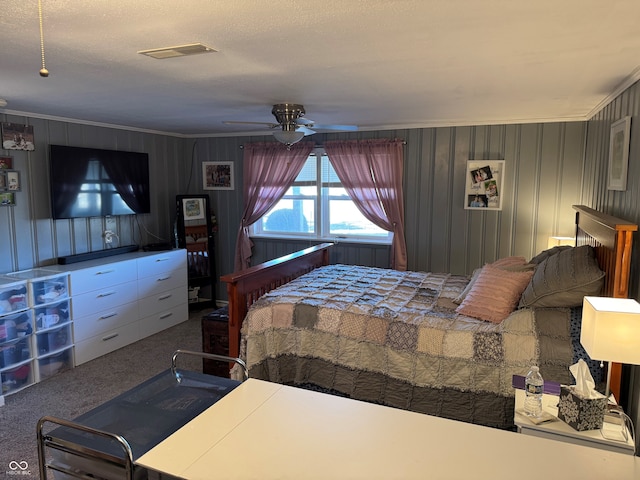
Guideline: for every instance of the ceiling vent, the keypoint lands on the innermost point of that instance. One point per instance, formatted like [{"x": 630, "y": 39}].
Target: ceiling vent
[{"x": 179, "y": 51}]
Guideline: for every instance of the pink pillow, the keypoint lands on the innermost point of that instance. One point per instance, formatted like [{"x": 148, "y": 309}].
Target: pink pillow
[
  {"x": 495, "y": 294},
  {"x": 508, "y": 262}
]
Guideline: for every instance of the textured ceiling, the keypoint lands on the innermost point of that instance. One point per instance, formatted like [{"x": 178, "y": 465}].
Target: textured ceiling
[{"x": 378, "y": 64}]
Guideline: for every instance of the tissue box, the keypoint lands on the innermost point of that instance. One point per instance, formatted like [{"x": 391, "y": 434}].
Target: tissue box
[{"x": 581, "y": 413}]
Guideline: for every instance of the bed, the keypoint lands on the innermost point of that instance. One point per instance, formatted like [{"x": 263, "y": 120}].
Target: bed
[{"x": 407, "y": 339}]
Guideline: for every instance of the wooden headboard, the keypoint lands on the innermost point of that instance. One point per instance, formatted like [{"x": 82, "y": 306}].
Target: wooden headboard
[
  {"x": 612, "y": 240},
  {"x": 247, "y": 286}
]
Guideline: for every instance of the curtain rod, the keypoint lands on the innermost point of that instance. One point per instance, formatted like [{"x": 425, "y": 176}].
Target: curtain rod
[{"x": 404, "y": 142}]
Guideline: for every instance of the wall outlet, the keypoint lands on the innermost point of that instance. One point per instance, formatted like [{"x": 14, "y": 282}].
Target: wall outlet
[{"x": 108, "y": 236}]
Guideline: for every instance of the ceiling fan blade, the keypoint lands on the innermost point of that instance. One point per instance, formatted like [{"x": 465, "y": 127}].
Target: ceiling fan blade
[
  {"x": 305, "y": 130},
  {"x": 304, "y": 121},
  {"x": 344, "y": 128},
  {"x": 268, "y": 124}
]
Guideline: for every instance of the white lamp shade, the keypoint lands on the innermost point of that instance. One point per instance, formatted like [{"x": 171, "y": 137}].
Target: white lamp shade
[
  {"x": 611, "y": 329},
  {"x": 288, "y": 137}
]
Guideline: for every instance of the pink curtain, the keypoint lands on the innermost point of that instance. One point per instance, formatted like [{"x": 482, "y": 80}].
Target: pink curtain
[
  {"x": 371, "y": 172},
  {"x": 269, "y": 169}
]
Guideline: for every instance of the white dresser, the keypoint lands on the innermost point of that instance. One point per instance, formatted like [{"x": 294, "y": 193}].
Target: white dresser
[{"x": 119, "y": 300}]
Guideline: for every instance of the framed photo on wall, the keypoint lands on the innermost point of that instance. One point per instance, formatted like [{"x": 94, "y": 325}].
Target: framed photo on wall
[
  {"x": 217, "y": 175},
  {"x": 484, "y": 185},
  {"x": 16, "y": 136},
  {"x": 6, "y": 163},
  {"x": 9, "y": 180},
  {"x": 7, "y": 199},
  {"x": 13, "y": 180},
  {"x": 619, "y": 154}
]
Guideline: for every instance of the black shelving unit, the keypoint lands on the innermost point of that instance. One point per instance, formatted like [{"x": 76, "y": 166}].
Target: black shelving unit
[{"x": 195, "y": 234}]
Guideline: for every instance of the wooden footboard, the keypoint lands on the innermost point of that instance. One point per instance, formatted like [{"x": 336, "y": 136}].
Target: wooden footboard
[
  {"x": 612, "y": 240},
  {"x": 247, "y": 286}
]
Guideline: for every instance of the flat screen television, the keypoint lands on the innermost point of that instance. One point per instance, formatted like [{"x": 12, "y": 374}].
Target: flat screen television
[{"x": 91, "y": 182}]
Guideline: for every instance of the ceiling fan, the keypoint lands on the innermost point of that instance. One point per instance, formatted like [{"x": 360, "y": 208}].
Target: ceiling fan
[{"x": 292, "y": 126}]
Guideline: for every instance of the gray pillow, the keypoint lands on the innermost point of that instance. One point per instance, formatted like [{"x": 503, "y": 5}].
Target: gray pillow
[
  {"x": 542, "y": 256},
  {"x": 563, "y": 279}
]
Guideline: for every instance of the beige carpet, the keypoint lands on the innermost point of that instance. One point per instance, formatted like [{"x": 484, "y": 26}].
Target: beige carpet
[{"x": 74, "y": 392}]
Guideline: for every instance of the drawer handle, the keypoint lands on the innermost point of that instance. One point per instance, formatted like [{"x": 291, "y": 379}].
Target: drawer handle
[
  {"x": 104, "y": 272},
  {"x": 106, "y": 294},
  {"x": 164, "y": 297},
  {"x": 166, "y": 315},
  {"x": 108, "y": 315},
  {"x": 162, "y": 279},
  {"x": 109, "y": 337}
]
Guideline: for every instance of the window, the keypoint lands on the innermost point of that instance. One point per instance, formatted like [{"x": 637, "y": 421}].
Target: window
[
  {"x": 317, "y": 206},
  {"x": 98, "y": 194}
]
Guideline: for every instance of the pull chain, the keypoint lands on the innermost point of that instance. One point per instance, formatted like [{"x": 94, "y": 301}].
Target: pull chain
[{"x": 43, "y": 71}]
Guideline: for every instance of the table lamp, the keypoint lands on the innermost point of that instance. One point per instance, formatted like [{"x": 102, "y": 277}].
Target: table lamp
[
  {"x": 611, "y": 331},
  {"x": 560, "y": 241}
]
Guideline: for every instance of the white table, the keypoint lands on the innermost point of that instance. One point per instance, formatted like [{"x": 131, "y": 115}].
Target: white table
[
  {"x": 559, "y": 430},
  {"x": 265, "y": 430}
]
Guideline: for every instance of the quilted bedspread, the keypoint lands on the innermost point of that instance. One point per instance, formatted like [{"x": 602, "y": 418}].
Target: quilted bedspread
[{"x": 394, "y": 338}]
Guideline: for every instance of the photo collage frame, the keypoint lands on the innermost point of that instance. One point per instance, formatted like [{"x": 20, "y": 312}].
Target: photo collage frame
[{"x": 484, "y": 185}]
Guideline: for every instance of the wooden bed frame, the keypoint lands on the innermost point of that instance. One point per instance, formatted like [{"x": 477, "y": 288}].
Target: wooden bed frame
[
  {"x": 611, "y": 238},
  {"x": 247, "y": 286}
]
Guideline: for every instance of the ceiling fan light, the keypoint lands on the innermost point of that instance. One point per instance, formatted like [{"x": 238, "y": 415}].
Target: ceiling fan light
[{"x": 288, "y": 137}]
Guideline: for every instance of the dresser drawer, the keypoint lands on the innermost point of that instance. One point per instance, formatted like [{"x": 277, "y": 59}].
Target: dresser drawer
[
  {"x": 104, "y": 321},
  {"x": 165, "y": 319},
  {"x": 162, "y": 282},
  {"x": 94, "y": 278},
  {"x": 106, "y": 342},
  {"x": 162, "y": 301},
  {"x": 104, "y": 298},
  {"x": 161, "y": 263}
]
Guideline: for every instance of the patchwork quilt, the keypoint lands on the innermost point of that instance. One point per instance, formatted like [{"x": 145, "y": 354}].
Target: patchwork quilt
[{"x": 394, "y": 338}]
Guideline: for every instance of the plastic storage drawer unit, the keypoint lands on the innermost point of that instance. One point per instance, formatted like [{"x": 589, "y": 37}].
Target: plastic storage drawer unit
[
  {"x": 45, "y": 286},
  {"x": 15, "y": 325},
  {"x": 15, "y": 378},
  {"x": 15, "y": 351},
  {"x": 53, "y": 364},
  {"x": 55, "y": 339},
  {"x": 50, "y": 316},
  {"x": 13, "y": 295}
]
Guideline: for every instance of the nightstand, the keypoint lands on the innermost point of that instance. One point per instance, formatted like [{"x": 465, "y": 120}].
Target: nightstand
[
  {"x": 215, "y": 339},
  {"x": 558, "y": 430}
]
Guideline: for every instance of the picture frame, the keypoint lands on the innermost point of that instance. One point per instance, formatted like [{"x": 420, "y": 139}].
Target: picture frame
[
  {"x": 193, "y": 208},
  {"x": 13, "y": 180},
  {"x": 217, "y": 176},
  {"x": 9, "y": 180},
  {"x": 16, "y": 136},
  {"x": 619, "y": 142},
  {"x": 7, "y": 199},
  {"x": 6, "y": 163},
  {"x": 484, "y": 185}
]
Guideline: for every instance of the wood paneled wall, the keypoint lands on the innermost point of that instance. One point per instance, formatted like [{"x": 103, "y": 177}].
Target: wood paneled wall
[
  {"x": 624, "y": 204},
  {"x": 543, "y": 178},
  {"x": 30, "y": 238},
  {"x": 543, "y": 170}
]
